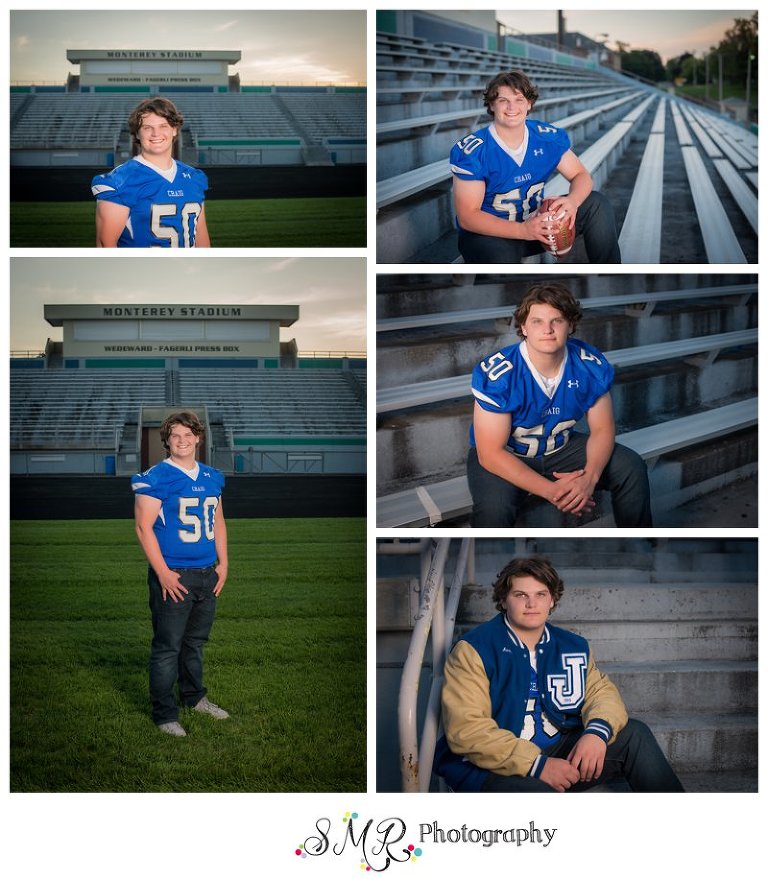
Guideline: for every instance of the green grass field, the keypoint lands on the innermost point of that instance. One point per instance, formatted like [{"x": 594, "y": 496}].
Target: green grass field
[
  {"x": 287, "y": 659},
  {"x": 285, "y": 222}
]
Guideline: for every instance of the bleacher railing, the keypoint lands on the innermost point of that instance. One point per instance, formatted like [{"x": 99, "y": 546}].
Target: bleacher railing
[{"x": 437, "y": 612}]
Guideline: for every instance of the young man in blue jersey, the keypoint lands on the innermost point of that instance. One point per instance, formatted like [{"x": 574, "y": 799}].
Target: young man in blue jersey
[
  {"x": 528, "y": 397},
  {"x": 180, "y": 526},
  {"x": 499, "y": 175},
  {"x": 152, "y": 200},
  {"x": 526, "y": 709}
]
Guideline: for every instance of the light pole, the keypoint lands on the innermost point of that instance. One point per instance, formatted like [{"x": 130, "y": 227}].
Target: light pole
[{"x": 750, "y": 56}]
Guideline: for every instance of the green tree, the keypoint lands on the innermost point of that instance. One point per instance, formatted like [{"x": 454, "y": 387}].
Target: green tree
[
  {"x": 738, "y": 44},
  {"x": 643, "y": 62}
]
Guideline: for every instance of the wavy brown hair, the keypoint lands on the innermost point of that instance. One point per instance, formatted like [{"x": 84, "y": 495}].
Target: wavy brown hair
[
  {"x": 162, "y": 107},
  {"x": 514, "y": 79},
  {"x": 538, "y": 567},
  {"x": 186, "y": 419},
  {"x": 556, "y": 295}
]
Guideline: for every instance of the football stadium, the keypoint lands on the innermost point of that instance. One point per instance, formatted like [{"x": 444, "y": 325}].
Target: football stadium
[
  {"x": 272, "y": 153},
  {"x": 672, "y": 622},
  {"x": 684, "y": 351},
  {"x": 681, "y": 175},
  {"x": 288, "y": 651}
]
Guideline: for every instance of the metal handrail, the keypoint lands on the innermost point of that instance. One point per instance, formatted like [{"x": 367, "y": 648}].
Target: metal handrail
[{"x": 440, "y": 617}]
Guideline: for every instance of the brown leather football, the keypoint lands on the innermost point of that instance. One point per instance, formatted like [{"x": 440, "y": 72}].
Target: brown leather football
[{"x": 562, "y": 237}]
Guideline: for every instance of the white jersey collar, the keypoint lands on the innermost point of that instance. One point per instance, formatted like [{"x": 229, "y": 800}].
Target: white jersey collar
[
  {"x": 517, "y": 155},
  {"x": 548, "y": 385},
  {"x": 193, "y": 473},
  {"x": 170, "y": 174}
]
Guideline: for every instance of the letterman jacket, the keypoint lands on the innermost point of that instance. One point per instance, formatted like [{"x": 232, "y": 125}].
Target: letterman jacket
[{"x": 487, "y": 678}]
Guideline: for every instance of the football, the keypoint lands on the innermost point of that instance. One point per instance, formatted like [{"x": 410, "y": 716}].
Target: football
[{"x": 562, "y": 237}]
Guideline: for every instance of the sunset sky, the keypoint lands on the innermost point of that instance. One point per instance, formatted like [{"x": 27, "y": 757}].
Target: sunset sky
[
  {"x": 330, "y": 292},
  {"x": 277, "y": 47}
]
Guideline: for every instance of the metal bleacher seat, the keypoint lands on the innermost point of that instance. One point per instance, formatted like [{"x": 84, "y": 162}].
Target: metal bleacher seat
[
  {"x": 423, "y": 393},
  {"x": 648, "y": 301},
  {"x": 451, "y": 499}
]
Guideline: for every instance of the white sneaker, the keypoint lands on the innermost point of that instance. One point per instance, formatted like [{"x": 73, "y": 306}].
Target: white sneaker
[
  {"x": 174, "y": 728},
  {"x": 206, "y": 707}
]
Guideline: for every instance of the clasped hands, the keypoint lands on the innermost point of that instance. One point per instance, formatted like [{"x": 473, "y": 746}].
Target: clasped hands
[
  {"x": 572, "y": 492},
  {"x": 584, "y": 763}
]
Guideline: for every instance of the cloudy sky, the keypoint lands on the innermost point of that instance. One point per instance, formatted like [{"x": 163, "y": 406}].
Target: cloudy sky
[
  {"x": 670, "y": 33},
  {"x": 330, "y": 292},
  {"x": 277, "y": 47}
]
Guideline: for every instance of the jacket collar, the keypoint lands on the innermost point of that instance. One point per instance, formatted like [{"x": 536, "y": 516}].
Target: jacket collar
[{"x": 545, "y": 637}]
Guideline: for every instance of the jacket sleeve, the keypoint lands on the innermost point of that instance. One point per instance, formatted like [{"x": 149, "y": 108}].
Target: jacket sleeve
[
  {"x": 470, "y": 730},
  {"x": 603, "y": 712}
]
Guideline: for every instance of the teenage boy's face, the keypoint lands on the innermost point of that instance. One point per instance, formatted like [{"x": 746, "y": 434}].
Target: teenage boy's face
[
  {"x": 510, "y": 107},
  {"x": 155, "y": 135},
  {"x": 182, "y": 442},
  {"x": 528, "y": 604},
  {"x": 545, "y": 329}
]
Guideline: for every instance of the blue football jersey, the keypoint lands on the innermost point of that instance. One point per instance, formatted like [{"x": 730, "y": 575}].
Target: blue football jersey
[
  {"x": 537, "y": 727},
  {"x": 163, "y": 213},
  {"x": 512, "y": 192},
  {"x": 541, "y": 424},
  {"x": 184, "y": 526}
]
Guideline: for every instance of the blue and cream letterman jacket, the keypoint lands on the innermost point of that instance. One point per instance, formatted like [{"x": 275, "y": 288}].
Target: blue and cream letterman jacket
[{"x": 487, "y": 679}]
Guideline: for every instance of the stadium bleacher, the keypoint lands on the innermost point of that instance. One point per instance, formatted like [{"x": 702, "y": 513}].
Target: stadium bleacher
[
  {"x": 700, "y": 189},
  {"x": 83, "y": 420},
  {"x": 221, "y": 128},
  {"x": 685, "y": 352}
]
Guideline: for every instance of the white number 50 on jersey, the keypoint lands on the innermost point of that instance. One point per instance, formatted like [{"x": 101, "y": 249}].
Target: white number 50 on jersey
[{"x": 197, "y": 522}]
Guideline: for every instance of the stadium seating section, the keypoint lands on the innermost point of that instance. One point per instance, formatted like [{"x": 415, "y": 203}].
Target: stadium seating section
[
  {"x": 264, "y": 126},
  {"x": 69, "y": 419},
  {"x": 664, "y": 163}
]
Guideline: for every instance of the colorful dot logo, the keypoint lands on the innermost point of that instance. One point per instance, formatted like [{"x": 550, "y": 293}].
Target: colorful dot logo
[
  {"x": 300, "y": 852},
  {"x": 348, "y": 815},
  {"x": 415, "y": 853}
]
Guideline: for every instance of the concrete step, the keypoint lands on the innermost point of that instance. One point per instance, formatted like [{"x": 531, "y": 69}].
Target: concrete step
[
  {"x": 426, "y": 445},
  {"x": 668, "y": 641},
  {"x": 707, "y": 743},
  {"x": 715, "y": 686},
  {"x": 736, "y": 781},
  {"x": 637, "y": 602}
]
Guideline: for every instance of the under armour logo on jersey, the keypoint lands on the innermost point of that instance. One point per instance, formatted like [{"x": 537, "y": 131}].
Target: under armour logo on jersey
[
  {"x": 573, "y": 383},
  {"x": 538, "y": 152},
  {"x": 567, "y": 690},
  {"x": 206, "y": 473},
  {"x": 185, "y": 174}
]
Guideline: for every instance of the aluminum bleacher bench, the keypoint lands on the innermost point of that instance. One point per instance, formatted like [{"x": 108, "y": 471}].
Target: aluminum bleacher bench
[
  {"x": 640, "y": 240},
  {"x": 423, "y": 393},
  {"x": 402, "y": 185},
  {"x": 720, "y": 241},
  {"x": 450, "y": 499},
  {"x": 431, "y": 121},
  {"x": 727, "y": 167},
  {"x": 649, "y": 300},
  {"x": 599, "y": 157}
]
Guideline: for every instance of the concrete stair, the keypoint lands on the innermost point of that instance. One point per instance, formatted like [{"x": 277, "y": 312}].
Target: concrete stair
[{"x": 672, "y": 622}]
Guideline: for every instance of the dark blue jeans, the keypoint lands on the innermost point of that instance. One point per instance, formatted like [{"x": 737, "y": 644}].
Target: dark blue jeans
[
  {"x": 635, "y": 757},
  {"x": 180, "y": 631},
  {"x": 498, "y": 502},
  {"x": 595, "y": 221}
]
